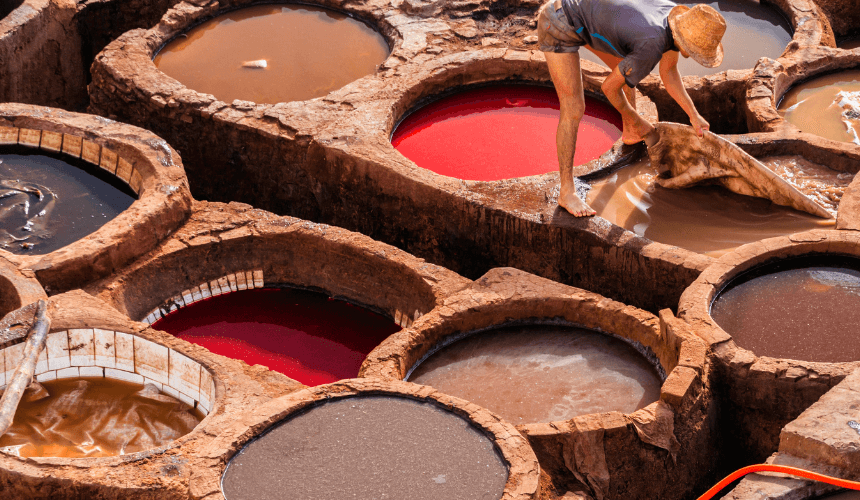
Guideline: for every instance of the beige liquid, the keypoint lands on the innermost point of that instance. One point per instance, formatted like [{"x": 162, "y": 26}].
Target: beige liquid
[
  {"x": 542, "y": 373},
  {"x": 95, "y": 417},
  {"x": 828, "y": 106},
  {"x": 706, "y": 219},
  {"x": 308, "y": 52},
  {"x": 369, "y": 448},
  {"x": 753, "y": 31}
]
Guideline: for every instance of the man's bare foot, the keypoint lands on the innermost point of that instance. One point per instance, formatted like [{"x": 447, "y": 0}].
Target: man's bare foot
[
  {"x": 636, "y": 130},
  {"x": 573, "y": 204}
]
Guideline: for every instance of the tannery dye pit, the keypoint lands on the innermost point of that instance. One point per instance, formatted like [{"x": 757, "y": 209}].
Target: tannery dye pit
[
  {"x": 499, "y": 132},
  {"x": 305, "y": 335},
  {"x": 235, "y": 56},
  {"x": 542, "y": 373},
  {"x": 95, "y": 417},
  {"x": 47, "y": 203},
  {"x": 803, "y": 308},
  {"x": 710, "y": 219},
  {"x": 364, "y": 447}
]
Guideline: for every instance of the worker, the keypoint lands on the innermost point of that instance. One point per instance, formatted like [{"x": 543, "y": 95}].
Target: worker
[{"x": 631, "y": 37}]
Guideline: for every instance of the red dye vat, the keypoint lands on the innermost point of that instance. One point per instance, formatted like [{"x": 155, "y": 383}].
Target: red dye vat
[
  {"x": 307, "y": 336},
  {"x": 500, "y": 132}
]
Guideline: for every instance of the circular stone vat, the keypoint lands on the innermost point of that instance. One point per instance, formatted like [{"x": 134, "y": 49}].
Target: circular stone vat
[
  {"x": 372, "y": 439},
  {"x": 532, "y": 350},
  {"x": 542, "y": 373},
  {"x": 49, "y": 202},
  {"x": 308, "y": 336},
  {"x": 711, "y": 219},
  {"x": 68, "y": 186},
  {"x": 499, "y": 132},
  {"x": 827, "y": 106},
  {"x": 281, "y": 292},
  {"x": 753, "y": 30},
  {"x": 325, "y": 452},
  {"x": 770, "y": 381},
  {"x": 95, "y": 417},
  {"x": 273, "y": 53},
  {"x": 803, "y": 308}
]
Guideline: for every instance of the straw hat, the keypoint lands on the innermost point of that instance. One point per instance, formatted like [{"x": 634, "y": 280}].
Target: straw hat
[{"x": 698, "y": 31}]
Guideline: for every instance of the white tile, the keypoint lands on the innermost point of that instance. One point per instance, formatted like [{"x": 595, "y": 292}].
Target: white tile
[
  {"x": 203, "y": 404},
  {"x": 231, "y": 278},
  {"x": 204, "y": 290},
  {"x": 204, "y": 411},
  {"x": 124, "y": 351},
  {"x": 249, "y": 279},
  {"x": 105, "y": 343},
  {"x": 184, "y": 374},
  {"x": 153, "y": 382},
  {"x": 224, "y": 283},
  {"x": 13, "y": 356},
  {"x": 241, "y": 283},
  {"x": 71, "y": 372},
  {"x": 44, "y": 377},
  {"x": 41, "y": 363},
  {"x": 258, "y": 278},
  {"x": 170, "y": 391},
  {"x": 3, "y": 378},
  {"x": 196, "y": 295},
  {"x": 187, "y": 298},
  {"x": 151, "y": 360},
  {"x": 149, "y": 319},
  {"x": 186, "y": 399},
  {"x": 58, "y": 350},
  {"x": 122, "y": 375},
  {"x": 82, "y": 351},
  {"x": 92, "y": 371},
  {"x": 207, "y": 393},
  {"x": 214, "y": 288}
]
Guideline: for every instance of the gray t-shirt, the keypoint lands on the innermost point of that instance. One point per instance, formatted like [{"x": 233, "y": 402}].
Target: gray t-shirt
[{"x": 635, "y": 30}]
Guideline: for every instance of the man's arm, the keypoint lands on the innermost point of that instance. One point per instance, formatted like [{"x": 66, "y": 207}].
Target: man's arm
[{"x": 672, "y": 80}]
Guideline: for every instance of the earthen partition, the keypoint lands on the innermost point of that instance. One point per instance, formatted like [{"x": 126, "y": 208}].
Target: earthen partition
[
  {"x": 759, "y": 395},
  {"x": 220, "y": 387},
  {"x": 17, "y": 288},
  {"x": 608, "y": 455},
  {"x": 230, "y": 247}
]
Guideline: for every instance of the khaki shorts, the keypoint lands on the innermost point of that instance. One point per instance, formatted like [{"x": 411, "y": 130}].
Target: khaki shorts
[{"x": 555, "y": 34}]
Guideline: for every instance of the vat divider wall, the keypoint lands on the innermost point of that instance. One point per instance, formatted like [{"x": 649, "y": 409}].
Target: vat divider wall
[{"x": 611, "y": 454}]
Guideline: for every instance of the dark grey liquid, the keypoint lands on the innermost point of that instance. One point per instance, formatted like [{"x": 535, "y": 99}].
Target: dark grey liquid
[
  {"x": 753, "y": 31},
  {"x": 539, "y": 373},
  {"x": 369, "y": 448},
  {"x": 46, "y": 203},
  {"x": 7, "y": 6},
  {"x": 809, "y": 313}
]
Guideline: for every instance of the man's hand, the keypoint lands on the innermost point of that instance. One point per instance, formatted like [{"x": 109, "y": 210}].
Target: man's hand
[{"x": 699, "y": 124}]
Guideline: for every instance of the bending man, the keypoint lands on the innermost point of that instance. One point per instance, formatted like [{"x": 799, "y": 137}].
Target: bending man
[{"x": 631, "y": 37}]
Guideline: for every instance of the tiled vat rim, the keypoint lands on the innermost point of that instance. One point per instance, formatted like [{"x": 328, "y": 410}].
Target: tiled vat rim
[
  {"x": 76, "y": 147},
  {"x": 242, "y": 280},
  {"x": 93, "y": 352}
]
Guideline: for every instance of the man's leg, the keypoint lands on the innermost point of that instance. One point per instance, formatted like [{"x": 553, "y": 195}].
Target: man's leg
[
  {"x": 612, "y": 62},
  {"x": 567, "y": 78}
]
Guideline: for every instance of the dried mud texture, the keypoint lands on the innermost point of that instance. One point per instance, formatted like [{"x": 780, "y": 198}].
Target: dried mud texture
[
  {"x": 40, "y": 54},
  {"x": 758, "y": 396},
  {"x": 611, "y": 455},
  {"x": 524, "y": 471},
  {"x": 158, "y": 474},
  {"x": 17, "y": 288},
  {"x": 330, "y": 160},
  {"x": 163, "y": 203},
  {"x": 221, "y": 239}
]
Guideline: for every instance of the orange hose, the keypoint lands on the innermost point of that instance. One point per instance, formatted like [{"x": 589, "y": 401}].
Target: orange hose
[{"x": 843, "y": 483}]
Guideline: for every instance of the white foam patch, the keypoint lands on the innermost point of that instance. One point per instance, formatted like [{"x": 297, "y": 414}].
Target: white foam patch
[{"x": 850, "y": 104}]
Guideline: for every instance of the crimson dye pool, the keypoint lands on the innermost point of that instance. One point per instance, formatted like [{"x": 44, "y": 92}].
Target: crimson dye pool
[
  {"x": 305, "y": 335},
  {"x": 500, "y": 132}
]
